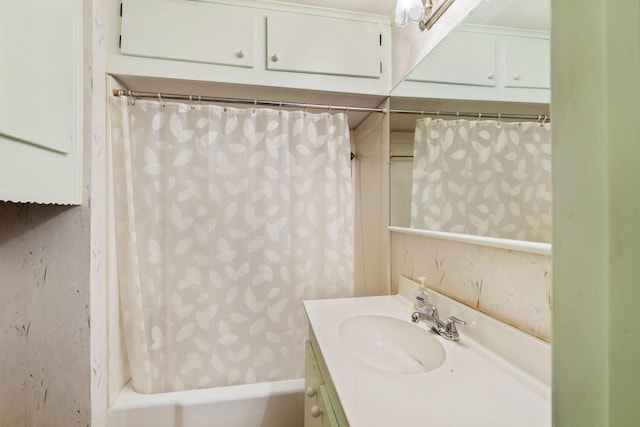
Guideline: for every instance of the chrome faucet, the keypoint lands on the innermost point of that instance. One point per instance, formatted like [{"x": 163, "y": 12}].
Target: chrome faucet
[{"x": 429, "y": 314}]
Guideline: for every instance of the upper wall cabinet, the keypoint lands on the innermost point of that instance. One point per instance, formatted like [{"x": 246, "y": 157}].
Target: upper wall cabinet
[
  {"x": 189, "y": 31},
  {"x": 527, "y": 62},
  {"x": 40, "y": 101},
  {"x": 314, "y": 44},
  {"x": 462, "y": 58},
  {"x": 484, "y": 63},
  {"x": 252, "y": 42}
]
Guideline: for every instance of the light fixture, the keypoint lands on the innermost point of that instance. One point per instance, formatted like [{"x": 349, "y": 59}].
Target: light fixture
[
  {"x": 424, "y": 12},
  {"x": 409, "y": 11}
]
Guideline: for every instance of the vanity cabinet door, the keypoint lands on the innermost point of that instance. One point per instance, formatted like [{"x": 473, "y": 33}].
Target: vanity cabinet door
[
  {"x": 527, "y": 63},
  {"x": 323, "y": 45},
  {"x": 189, "y": 31},
  {"x": 318, "y": 411},
  {"x": 463, "y": 58}
]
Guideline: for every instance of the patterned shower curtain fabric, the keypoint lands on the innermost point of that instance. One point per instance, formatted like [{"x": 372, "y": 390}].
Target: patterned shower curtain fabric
[
  {"x": 226, "y": 220},
  {"x": 485, "y": 178}
]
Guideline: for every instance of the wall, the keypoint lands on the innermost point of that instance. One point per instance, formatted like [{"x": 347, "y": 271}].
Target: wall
[
  {"x": 511, "y": 286},
  {"x": 46, "y": 267},
  {"x": 95, "y": 129},
  {"x": 595, "y": 64},
  {"x": 44, "y": 315},
  {"x": 410, "y": 45},
  {"x": 518, "y": 291},
  {"x": 372, "y": 205}
]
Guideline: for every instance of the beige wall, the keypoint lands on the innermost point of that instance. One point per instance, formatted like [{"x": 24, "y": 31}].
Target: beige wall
[
  {"x": 51, "y": 362},
  {"x": 595, "y": 64},
  {"x": 410, "y": 45},
  {"x": 512, "y": 286},
  {"x": 44, "y": 315},
  {"x": 371, "y": 182}
]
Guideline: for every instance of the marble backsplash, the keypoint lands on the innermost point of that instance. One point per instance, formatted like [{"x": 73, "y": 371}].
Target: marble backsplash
[{"x": 512, "y": 286}]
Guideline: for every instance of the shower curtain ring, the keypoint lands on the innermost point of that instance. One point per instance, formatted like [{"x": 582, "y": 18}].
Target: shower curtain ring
[
  {"x": 193, "y": 107},
  {"x": 132, "y": 99},
  {"x": 160, "y": 99}
]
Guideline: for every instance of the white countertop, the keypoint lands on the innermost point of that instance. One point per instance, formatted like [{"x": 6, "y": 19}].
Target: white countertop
[{"x": 474, "y": 387}]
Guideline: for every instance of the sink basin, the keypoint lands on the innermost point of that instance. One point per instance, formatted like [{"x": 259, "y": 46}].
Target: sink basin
[{"x": 391, "y": 345}]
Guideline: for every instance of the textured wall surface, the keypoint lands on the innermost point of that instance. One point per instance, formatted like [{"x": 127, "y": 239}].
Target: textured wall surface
[
  {"x": 512, "y": 286},
  {"x": 44, "y": 316},
  {"x": 45, "y": 371}
]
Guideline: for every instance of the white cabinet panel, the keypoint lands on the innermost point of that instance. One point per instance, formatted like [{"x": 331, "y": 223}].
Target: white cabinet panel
[
  {"x": 318, "y": 406},
  {"x": 189, "y": 31},
  {"x": 323, "y": 45},
  {"x": 312, "y": 381},
  {"x": 41, "y": 101},
  {"x": 462, "y": 58},
  {"x": 478, "y": 62},
  {"x": 527, "y": 62},
  {"x": 40, "y": 81}
]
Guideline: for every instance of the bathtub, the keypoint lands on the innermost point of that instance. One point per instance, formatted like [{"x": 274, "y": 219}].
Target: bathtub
[{"x": 270, "y": 404}]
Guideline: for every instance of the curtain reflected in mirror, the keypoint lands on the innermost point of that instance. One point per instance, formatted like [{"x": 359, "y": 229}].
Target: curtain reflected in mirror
[{"x": 484, "y": 178}]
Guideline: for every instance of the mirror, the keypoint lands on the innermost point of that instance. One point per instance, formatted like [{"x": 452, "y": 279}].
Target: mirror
[{"x": 475, "y": 69}]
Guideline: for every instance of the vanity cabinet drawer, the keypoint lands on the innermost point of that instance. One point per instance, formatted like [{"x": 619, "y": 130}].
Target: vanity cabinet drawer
[
  {"x": 323, "y": 45},
  {"x": 189, "y": 31}
]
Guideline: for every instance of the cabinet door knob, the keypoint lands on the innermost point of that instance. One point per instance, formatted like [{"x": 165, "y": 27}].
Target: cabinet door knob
[
  {"x": 516, "y": 77},
  {"x": 240, "y": 54},
  {"x": 275, "y": 57},
  {"x": 316, "y": 411},
  {"x": 310, "y": 391},
  {"x": 490, "y": 76}
]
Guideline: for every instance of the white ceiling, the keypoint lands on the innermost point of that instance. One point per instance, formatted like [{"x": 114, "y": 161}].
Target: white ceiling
[
  {"x": 376, "y": 7},
  {"x": 528, "y": 14},
  {"x": 525, "y": 14}
]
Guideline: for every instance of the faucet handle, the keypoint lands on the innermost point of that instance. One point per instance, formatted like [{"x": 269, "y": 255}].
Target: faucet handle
[{"x": 450, "y": 329}]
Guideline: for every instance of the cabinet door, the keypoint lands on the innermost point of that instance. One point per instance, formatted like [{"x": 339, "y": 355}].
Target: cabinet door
[
  {"x": 189, "y": 31},
  {"x": 328, "y": 417},
  {"x": 527, "y": 62},
  {"x": 323, "y": 45},
  {"x": 312, "y": 381},
  {"x": 41, "y": 82},
  {"x": 464, "y": 58},
  {"x": 318, "y": 411}
]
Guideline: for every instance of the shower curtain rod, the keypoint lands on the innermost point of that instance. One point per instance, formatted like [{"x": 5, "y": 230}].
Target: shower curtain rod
[
  {"x": 346, "y": 108},
  {"x": 545, "y": 118},
  {"x": 255, "y": 102}
]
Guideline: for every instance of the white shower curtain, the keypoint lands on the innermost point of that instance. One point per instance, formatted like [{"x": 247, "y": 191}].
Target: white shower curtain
[
  {"x": 485, "y": 178},
  {"x": 226, "y": 220}
]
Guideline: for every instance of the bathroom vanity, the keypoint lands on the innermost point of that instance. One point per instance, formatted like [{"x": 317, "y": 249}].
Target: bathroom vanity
[{"x": 368, "y": 365}]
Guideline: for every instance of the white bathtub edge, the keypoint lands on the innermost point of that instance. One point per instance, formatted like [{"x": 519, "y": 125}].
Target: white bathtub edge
[{"x": 130, "y": 399}]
